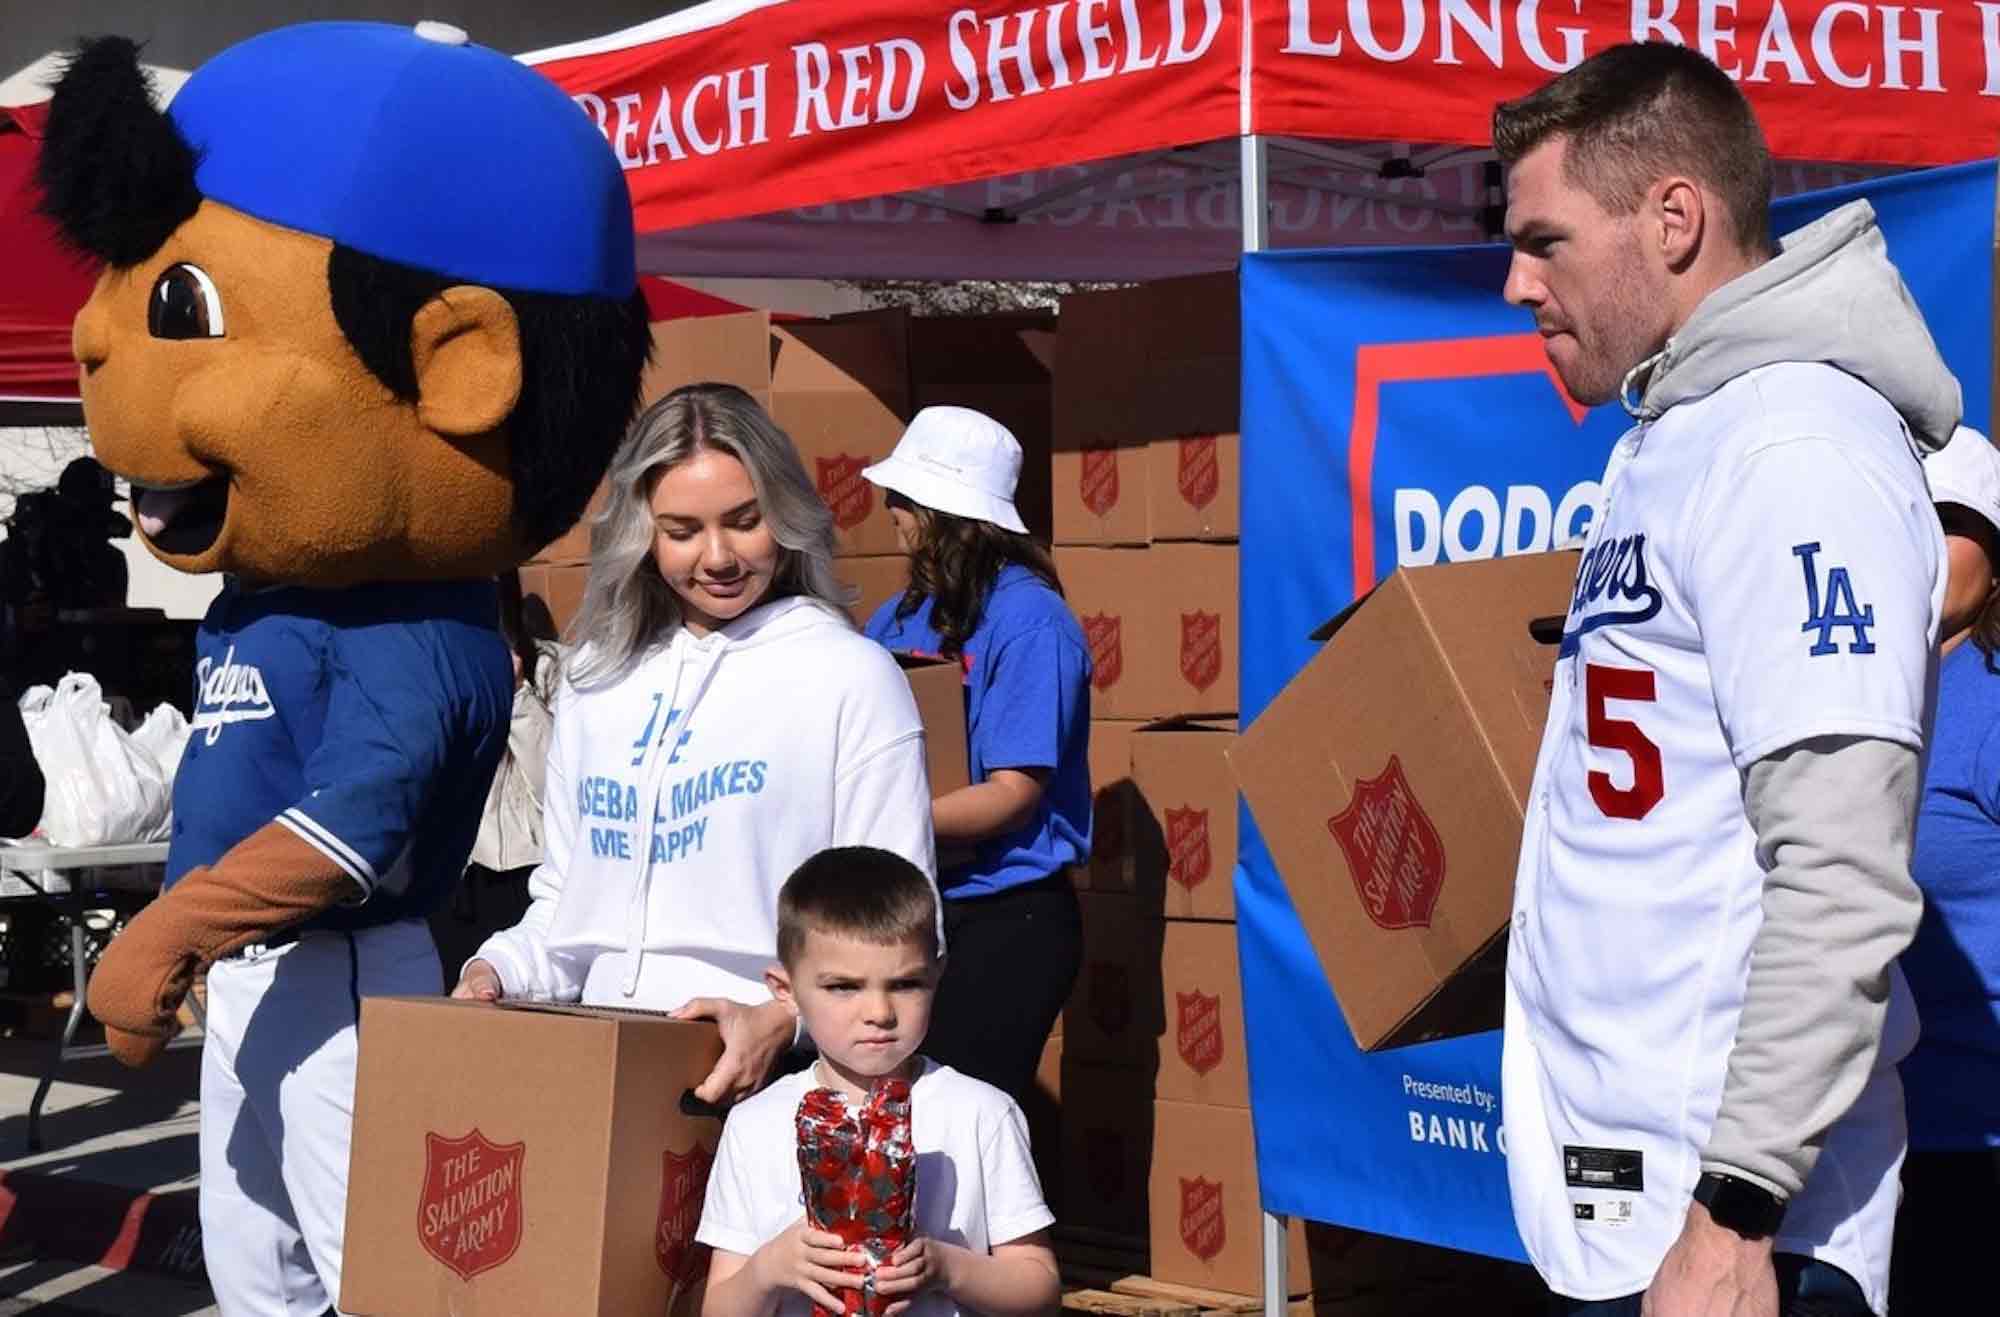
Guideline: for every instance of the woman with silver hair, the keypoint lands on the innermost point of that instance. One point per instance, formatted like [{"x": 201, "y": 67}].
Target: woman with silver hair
[{"x": 720, "y": 722}]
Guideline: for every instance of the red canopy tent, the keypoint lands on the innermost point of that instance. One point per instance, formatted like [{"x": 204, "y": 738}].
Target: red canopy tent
[
  {"x": 44, "y": 284},
  {"x": 1107, "y": 138}
]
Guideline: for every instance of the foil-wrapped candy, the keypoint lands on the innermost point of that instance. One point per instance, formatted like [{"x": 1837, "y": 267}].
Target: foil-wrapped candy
[{"x": 858, "y": 1168}]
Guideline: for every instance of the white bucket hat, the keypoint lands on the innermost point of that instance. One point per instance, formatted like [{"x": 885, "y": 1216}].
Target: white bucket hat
[
  {"x": 956, "y": 460},
  {"x": 1966, "y": 471}
]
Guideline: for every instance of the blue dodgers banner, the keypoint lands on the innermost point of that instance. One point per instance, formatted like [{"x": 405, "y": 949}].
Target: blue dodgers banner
[{"x": 1397, "y": 412}]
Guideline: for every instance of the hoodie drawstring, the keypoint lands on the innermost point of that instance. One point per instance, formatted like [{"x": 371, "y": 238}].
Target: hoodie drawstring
[
  {"x": 649, "y": 800},
  {"x": 1634, "y": 407}
]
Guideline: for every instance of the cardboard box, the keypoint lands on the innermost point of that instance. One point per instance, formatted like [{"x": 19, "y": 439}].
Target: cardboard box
[
  {"x": 879, "y": 578},
  {"x": 1161, "y": 625},
  {"x": 940, "y": 690},
  {"x": 1186, "y": 842},
  {"x": 1195, "y": 486},
  {"x": 1107, "y": 1148},
  {"x": 1114, "y": 1017},
  {"x": 559, "y": 588},
  {"x": 477, "y": 1186},
  {"x": 1201, "y": 1057},
  {"x": 1113, "y": 811},
  {"x": 1389, "y": 780},
  {"x": 1207, "y": 1220},
  {"x": 1099, "y": 470}
]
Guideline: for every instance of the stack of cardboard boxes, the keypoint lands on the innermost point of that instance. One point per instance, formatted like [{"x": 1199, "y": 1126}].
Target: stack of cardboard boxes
[{"x": 843, "y": 388}]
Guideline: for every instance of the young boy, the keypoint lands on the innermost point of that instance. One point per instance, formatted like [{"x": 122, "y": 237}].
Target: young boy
[{"x": 858, "y": 953}]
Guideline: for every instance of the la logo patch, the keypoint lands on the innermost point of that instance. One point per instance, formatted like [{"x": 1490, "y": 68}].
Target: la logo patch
[
  {"x": 1393, "y": 850},
  {"x": 1201, "y": 649},
  {"x": 1103, "y": 632},
  {"x": 1202, "y": 1227},
  {"x": 1198, "y": 1037},
  {"x": 469, "y": 1210},
  {"x": 683, "y": 1184},
  {"x": 1199, "y": 474},
  {"x": 1097, "y": 480},
  {"x": 843, "y": 490},
  {"x": 1835, "y": 610},
  {"x": 1188, "y": 860}
]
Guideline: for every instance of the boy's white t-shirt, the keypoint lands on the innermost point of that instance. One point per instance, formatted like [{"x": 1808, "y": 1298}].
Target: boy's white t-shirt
[{"x": 976, "y": 1182}]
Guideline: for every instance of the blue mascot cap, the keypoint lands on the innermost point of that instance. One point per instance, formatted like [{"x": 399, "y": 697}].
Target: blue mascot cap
[{"x": 414, "y": 146}]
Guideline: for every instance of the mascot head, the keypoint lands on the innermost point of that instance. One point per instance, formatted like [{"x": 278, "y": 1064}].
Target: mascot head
[{"x": 368, "y": 309}]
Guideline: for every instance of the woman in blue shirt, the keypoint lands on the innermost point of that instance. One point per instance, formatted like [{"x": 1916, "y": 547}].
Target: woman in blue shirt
[
  {"x": 985, "y": 595},
  {"x": 1951, "y": 1178}
]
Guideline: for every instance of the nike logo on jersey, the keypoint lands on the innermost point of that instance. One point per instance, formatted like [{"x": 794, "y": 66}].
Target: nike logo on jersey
[
  {"x": 1841, "y": 611},
  {"x": 230, "y": 692},
  {"x": 1612, "y": 589}
]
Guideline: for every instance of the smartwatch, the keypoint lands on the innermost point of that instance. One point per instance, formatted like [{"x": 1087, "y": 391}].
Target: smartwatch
[{"x": 1749, "y": 1209}]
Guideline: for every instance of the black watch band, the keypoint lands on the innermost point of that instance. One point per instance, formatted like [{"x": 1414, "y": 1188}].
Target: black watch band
[{"x": 1750, "y": 1210}]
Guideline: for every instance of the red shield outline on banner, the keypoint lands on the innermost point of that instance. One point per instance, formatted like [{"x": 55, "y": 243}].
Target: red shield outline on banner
[
  {"x": 1104, "y": 633},
  {"x": 469, "y": 1208},
  {"x": 1188, "y": 859},
  {"x": 844, "y": 491},
  {"x": 1198, "y": 1036},
  {"x": 1200, "y": 470},
  {"x": 1110, "y": 997},
  {"x": 1393, "y": 850},
  {"x": 1202, "y": 1227},
  {"x": 1097, "y": 478},
  {"x": 683, "y": 1184},
  {"x": 1104, "y": 1162},
  {"x": 1201, "y": 648}
]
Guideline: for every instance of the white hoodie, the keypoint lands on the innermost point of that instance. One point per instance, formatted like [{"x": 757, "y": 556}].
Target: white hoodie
[{"x": 750, "y": 750}]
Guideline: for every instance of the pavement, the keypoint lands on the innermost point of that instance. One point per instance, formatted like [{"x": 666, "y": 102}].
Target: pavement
[{"x": 103, "y": 1219}]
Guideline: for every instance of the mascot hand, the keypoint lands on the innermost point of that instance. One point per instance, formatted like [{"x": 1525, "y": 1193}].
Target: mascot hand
[
  {"x": 138, "y": 986},
  {"x": 268, "y": 882}
]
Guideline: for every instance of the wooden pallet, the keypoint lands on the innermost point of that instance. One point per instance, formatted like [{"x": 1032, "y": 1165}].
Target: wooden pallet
[{"x": 1143, "y": 1296}]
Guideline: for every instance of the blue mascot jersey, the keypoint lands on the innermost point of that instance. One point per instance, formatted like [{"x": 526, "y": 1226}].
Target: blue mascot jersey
[{"x": 369, "y": 721}]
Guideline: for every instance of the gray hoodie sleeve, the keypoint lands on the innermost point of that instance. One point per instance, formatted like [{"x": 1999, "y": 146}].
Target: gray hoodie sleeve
[{"x": 1834, "y": 819}]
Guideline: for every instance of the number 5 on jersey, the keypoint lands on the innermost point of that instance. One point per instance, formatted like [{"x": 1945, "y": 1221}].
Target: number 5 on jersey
[{"x": 1634, "y": 685}]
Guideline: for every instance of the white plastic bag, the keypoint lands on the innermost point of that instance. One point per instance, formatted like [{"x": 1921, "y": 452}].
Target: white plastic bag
[
  {"x": 102, "y": 789},
  {"x": 164, "y": 735}
]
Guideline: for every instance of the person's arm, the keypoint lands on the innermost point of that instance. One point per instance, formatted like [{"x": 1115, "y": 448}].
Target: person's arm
[
  {"x": 1005, "y": 802},
  {"x": 1035, "y": 701},
  {"x": 811, "y": 1262},
  {"x": 21, "y": 784},
  {"x": 1017, "y": 1279}
]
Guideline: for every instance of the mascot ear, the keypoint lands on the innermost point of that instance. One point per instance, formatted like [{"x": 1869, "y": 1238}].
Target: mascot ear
[
  {"x": 117, "y": 177},
  {"x": 466, "y": 347}
]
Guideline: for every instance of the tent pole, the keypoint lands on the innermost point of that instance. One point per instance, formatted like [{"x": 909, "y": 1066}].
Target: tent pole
[{"x": 1256, "y": 189}]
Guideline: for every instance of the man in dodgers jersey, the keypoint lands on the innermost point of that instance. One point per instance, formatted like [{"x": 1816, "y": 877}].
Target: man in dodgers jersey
[{"x": 1703, "y": 1015}]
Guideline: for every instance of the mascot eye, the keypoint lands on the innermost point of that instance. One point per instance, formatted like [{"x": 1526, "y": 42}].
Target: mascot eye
[{"x": 184, "y": 305}]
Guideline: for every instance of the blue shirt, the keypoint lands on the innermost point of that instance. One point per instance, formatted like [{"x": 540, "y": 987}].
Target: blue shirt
[
  {"x": 1952, "y": 1078},
  {"x": 1027, "y": 705},
  {"x": 369, "y": 721}
]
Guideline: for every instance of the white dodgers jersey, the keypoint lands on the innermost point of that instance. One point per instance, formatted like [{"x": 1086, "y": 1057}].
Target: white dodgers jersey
[{"x": 1766, "y": 568}]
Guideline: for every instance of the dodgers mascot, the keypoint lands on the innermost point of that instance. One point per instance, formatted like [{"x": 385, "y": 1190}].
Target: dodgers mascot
[{"x": 367, "y": 333}]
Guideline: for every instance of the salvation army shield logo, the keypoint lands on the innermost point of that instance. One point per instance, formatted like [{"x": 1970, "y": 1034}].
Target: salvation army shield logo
[
  {"x": 1097, "y": 481},
  {"x": 1103, "y": 632},
  {"x": 1199, "y": 470},
  {"x": 469, "y": 1212},
  {"x": 683, "y": 1183},
  {"x": 1188, "y": 860},
  {"x": 1110, "y": 995},
  {"x": 1201, "y": 649},
  {"x": 1201, "y": 1218},
  {"x": 1393, "y": 850},
  {"x": 844, "y": 491},
  {"x": 1198, "y": 1037}
]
